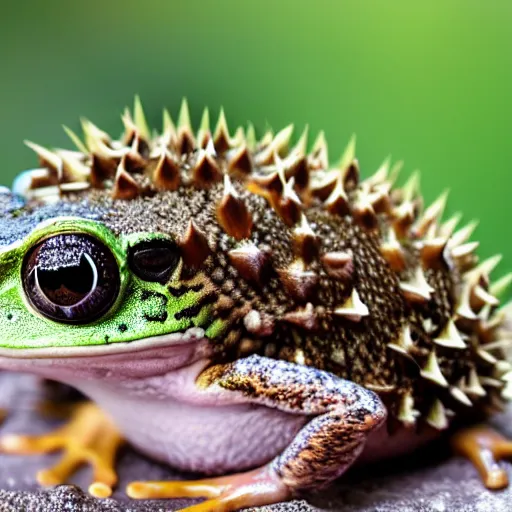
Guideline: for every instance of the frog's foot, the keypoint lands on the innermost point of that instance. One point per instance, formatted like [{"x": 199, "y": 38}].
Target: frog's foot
[
  {"x": 341, "y": 417},
  {"x": 225, "y": 494},
  {"x": 88, "y": 438},
  {"x": 485, "y": 447}
]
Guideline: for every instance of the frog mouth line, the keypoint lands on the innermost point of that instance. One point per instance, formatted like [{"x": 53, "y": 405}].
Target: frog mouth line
[{"x": 189, "y": 336}]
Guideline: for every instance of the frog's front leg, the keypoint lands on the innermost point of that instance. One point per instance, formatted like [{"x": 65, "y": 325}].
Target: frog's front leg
[
  {"x": 343, "y": 415},
  {"x": 89, "y": 437}
]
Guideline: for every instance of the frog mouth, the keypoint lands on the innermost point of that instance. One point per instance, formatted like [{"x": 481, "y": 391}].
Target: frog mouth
[{"x": 193, "y": 335}]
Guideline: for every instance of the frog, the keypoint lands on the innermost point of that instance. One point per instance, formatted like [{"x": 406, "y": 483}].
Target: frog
[{"x": 241, "y": 307}]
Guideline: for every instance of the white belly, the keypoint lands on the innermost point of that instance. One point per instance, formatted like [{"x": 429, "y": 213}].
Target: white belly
[{"x": 211, "y": 439}]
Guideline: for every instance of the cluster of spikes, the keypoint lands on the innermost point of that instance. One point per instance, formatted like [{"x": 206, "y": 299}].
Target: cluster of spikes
[{"x": 291, "y": 179}]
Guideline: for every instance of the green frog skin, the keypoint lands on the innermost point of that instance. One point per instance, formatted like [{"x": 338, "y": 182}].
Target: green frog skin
[{"x": 233, "y": 303}]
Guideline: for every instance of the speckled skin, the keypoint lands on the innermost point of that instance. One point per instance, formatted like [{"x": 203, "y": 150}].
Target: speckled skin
[{"x": 314, "y": 292}]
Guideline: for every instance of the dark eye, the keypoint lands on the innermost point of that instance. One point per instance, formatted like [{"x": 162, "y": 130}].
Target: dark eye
[
  {"x": 71, "y": 278},
  {"x": 154, "y": 260}
]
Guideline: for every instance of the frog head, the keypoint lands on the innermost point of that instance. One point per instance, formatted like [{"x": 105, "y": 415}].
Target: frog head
[{"x": 73, "y": 283}]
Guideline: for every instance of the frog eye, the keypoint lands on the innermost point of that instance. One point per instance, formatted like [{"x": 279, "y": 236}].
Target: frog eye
[
  {"x": 154, "y": 260},
  {"x": 71, "y": 278}
]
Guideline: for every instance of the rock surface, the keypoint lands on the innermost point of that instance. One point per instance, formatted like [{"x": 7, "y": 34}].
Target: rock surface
[{"x": 430, "y": 481}]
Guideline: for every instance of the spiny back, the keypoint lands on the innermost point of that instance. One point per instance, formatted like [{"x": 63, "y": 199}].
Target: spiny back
[{"x": 306, "y": 261}]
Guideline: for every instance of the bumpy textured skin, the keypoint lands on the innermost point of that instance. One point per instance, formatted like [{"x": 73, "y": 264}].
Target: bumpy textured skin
[{"x": 302, "y": 260}]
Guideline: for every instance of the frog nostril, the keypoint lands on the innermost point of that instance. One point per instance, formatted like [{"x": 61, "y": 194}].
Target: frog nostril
[{"x": 154, "y": 260}]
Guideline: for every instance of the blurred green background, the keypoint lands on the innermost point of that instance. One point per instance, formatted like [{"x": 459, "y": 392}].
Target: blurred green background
[{"x": 429, "y": 82}]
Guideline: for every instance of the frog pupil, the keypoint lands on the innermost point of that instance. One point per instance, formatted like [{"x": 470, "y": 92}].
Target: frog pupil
[{"x": 68, "y": 285}]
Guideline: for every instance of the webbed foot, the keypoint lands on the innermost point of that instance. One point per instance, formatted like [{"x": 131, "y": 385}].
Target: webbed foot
[
  {"x": 255, "y": 488},
  {"x": 89, "y": 437},
  {"x": 485, "y": 447}
]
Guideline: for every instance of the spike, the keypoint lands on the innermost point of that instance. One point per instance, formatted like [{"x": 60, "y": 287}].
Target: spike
[
  {"x": 431, "y": 214},
  {"x": 337, "y": 203},
  {"x": 270, "y": 186},
  {"x": 473, "y": 386},
  {"x": 499, "y": 288},
  {"x": 232, "y": 214},
  {"x": 380, "y": 175},
  {"x": 380, "y": 198},
  {"x": 464, "y": 250},
  {"x": 459, "y": 395},
  {"x": 407, "y": 414},
  {"x": 288, "y": 205},
  {"x": 447, "y": 228},
  {"x": 140, "y": 119},
  {"x": 507, "y": 391},
  {"x": 76, "y": 140},
  {"x": 412, "y": 187},
  {"x": 365, "y": 215},
  {"x": 501, "y": 344},
  {"x": 167, "y": 174},
  {"x": 296, "y": 166},
  {"x": 221, "y": 138},
  {"x": 464, "y": 309},
  {"x": 276, "y": 148},
  {"x": 491, "y": 382},
  {"x": 47, "y": 158},
  {"x": 102, "y": 169},
  {"x": 320, "y": 154},
  {"x": 403, "y": 216},
  {"x": 349, "y": 154},
  {"x": 251, "y": 263},
  {"x": 194, "y": 246},
  {"x": 432, "y": 371},
  {"x": 133, "y": 161},
  {"x": 186, "y": 142},
  {"x": 339, "y": 265},
  {"x": 486, "y": 356},
  {"x": 240, "y": 161},
  {"x": 463, "y": 234},
  {"x": 168, "y": 137},
  {"x": 434, "y": 254},
  {"x": 305, "y": 241},
  {"x": 266, "y": 139},
  {"x": 125, "y": 187},
  {"x": 204, "y": 134},
  {"x": 301, "y": 147},
  {"x": 95, "y": 139},
  {"x": 351, "y": 174},
  {"x": 206, "y": 171},
  {"x": 184, "y": 116},
  {"x": 250, "y": 137},
  {"x": 300, "y": 283},
  {"x": 417, "y": 289},
  {"x": 168, "y": 123},
  {"x": 395, "y": 171},
  {"x": 353, "y": 309},
  {"x": 450, "y": 337},
  {"x": 259, "y": 324},
  {"x": 324, "y": 182},
  {"x": 304, "y": 318},
  {"x": 481, "y": 296},
  {"x": 393, "y": 252},
  {"x": 404, "y": 343},
  {"x": 73, "y": 169},
  {"x": 437, "y": 416},
  {"x": 239, "y": 137},
  {"x": 484, "y": 269}
]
